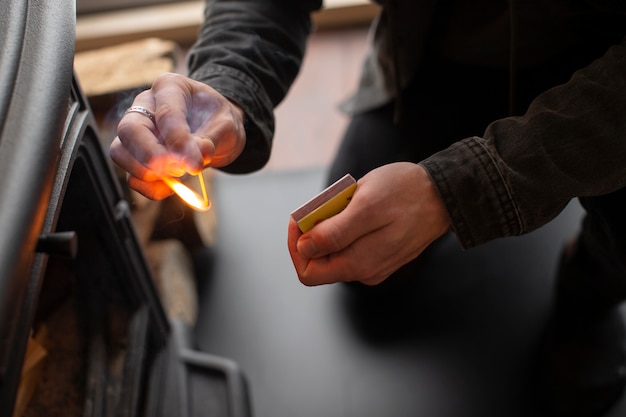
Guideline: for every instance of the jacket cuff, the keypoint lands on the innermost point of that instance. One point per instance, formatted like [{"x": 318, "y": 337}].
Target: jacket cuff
[{"x": 474, "y": 192}]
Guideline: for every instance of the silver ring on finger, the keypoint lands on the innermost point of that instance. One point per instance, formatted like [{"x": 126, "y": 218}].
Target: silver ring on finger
[{"x": 143, "y": 111}]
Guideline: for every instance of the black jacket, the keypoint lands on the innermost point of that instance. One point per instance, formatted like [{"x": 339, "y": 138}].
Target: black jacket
[{"x": 525, "y": 168}]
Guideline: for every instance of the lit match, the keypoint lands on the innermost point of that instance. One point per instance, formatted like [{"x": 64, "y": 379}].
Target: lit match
[{"x": 189, "y": 196}]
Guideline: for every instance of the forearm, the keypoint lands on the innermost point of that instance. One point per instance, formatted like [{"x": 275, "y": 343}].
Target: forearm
[
  {"x": 251, "y": 51},
  {"x": 570, "y": 143}
]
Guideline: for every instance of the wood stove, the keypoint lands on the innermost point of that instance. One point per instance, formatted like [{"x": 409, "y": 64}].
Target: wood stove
[{"x": 82, "y": 329}]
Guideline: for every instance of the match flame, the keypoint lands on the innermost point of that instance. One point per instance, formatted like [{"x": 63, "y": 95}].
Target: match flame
[{"x": 189, "y": 196}]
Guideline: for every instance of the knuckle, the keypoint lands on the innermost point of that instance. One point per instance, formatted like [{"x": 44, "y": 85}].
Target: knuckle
[
  {"x": 142, "y": 96},
  {"x": 116, "y": 152},
  {"x": 125, "y": 130},
  {"x": 306, "y": 280},
  {"x": 164, "y": 79}
]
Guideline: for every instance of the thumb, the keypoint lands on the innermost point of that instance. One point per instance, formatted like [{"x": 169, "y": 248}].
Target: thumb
[{"x": 331, "y": 235}]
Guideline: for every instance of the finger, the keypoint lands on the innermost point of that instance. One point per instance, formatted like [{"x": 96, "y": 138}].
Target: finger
[
  {"x": 352, "y": 264},
  {"x": 140, "y": 137},
  {"x": 206, "y": 145},
  {"x": 293, "y": 234},
  {"x": 139, "y": 177},
  {"x": 340, "y": 231},
  {"x": 311, "y": 272},
  {"x": 172, "y": 99},
  {"x": 328, "y": 269},
  {"x": 125, "y": 160},
  {"x": 154, "y": 190},
  {"x": 364, "y": 260}
]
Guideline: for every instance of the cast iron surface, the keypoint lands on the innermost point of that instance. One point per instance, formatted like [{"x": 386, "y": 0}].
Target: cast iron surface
[{"x": 36, "y": 50}]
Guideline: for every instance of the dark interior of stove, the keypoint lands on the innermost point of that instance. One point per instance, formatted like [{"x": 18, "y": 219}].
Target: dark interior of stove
[{"x": 89, "y": 317}]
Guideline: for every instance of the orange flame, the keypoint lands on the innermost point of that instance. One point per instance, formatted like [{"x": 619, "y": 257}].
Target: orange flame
[{"x": 189, "y": 196}]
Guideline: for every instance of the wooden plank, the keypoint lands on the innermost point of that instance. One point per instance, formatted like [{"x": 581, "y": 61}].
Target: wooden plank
[
  {"x": 126, "y": 66},
  {"x": 339, "y": 14},
  {"x": 173, "y": 272},
  {"x": 180, "y": 22}
]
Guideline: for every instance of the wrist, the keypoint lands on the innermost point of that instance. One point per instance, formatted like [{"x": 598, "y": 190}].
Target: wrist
[{"x": 434, "y": 202}]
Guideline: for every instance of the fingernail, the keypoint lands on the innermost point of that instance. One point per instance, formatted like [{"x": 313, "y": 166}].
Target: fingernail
[{"x": 307, "y": 248}]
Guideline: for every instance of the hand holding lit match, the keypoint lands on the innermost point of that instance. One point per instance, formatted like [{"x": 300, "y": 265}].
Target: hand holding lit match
[{"x": 179, "y": 126}]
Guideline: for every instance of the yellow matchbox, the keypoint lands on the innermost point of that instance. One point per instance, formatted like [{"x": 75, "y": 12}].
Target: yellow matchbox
[{"x": 326, "y": 204}]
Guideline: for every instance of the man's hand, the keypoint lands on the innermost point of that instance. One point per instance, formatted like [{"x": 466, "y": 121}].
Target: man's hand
[
  {"x": 194, "y": 126},
  {"x": 394, "y": 215}
]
